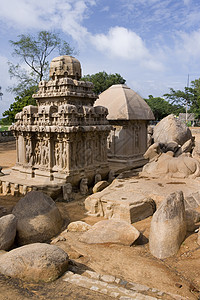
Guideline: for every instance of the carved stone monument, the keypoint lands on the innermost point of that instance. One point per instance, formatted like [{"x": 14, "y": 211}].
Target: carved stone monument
[
  {"x": 64, "y": 138},
  {"x": 129, "y": 115}
]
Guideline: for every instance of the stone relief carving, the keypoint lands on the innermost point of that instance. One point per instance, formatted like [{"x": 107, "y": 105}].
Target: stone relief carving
[{"x": 67, "y": 192}]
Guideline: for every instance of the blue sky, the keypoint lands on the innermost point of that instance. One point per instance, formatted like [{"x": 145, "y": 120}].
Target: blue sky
[{"x": 153, "y": 44}]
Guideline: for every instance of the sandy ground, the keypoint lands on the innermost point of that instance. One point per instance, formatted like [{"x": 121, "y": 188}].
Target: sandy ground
[{"x": 179, "y": 274}]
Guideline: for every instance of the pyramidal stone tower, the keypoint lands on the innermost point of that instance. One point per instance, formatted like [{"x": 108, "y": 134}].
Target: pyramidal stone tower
[{"x": 64, "y": 138}]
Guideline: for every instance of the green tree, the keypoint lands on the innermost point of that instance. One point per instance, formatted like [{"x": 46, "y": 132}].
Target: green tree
[
  {"x": 24, "y": 99},
  {"x": 34, "y": 53},
  {"x": 189, "y": 97},
  {"x": 162, "y": 108},
  {"x": 103, "y": 81}
]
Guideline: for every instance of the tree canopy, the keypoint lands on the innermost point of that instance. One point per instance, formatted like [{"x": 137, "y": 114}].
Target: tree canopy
[
  {"x": 162, "y": 108},
  {"x": 189, "y": 97},
  {"x": 102, "y": 81},
  {"x": 24, "y": 99},
  {"x": 33, "y": 53}
]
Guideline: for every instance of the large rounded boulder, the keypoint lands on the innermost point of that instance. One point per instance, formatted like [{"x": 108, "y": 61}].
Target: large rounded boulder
[
  {"x": 35, "y": 262},
  {"x": 8, "y": 226},
  {"x": 171, "y": 129},
  {"x": 38, "y": 218}
]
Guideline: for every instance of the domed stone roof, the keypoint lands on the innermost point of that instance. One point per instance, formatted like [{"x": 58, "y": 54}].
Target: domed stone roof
[
  {"x": 124, "y": 104},
  {"x": 65, "y": 66}
]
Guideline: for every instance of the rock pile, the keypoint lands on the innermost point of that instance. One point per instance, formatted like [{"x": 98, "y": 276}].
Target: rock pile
[{"x": 173, "y": 153}]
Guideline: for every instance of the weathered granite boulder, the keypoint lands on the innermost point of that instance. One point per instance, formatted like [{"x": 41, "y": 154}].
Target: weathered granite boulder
[
  {"x": 192, "y": 217},
  {"x": 35, "y": 262},
  {"x": 38, "y": 218},
  {"x": 78, "y": 226},
  {"x": 99, "y": 186},
  {"x": 8, "y": 226},
  {"x": 171, "y": 129},
  {"x": 168, "y": 226},
  {"x": 111, "y": 231}
]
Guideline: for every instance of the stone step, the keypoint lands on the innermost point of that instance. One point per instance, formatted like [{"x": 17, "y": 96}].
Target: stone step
[{"x": 115, "y": 287}]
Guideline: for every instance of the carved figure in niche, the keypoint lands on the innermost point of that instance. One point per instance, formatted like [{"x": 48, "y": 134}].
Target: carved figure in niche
[
  {"x": 111, "y": 176},
  {"x": 15, "y": 190},
  {"x": 45, "y": 153},
  {"x": 103, "y": 150},
  {"x": 96, "y": 209},
  {"x": 64, "y": 157},
  {"x": 37, "y": 153},
  {"x": 97, "y": 178},
  {"x": 58, "y": 154},
  {"x": 67, "y": 192},
  {"x": 88, "y": 154},
  {"x": 6, "y": 188},
  {"x": 29, "y": 154},
  {"x": 97, "y": 151},
  {"x": 109, "y": 211},
  {"x": 84, "y": 186},
  {"x": 78, "y": 154}
]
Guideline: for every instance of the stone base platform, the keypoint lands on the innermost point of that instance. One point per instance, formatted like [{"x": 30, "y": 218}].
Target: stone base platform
[
  {"x": 16, "y": 186},
  {"x": 133, "y": 198}
]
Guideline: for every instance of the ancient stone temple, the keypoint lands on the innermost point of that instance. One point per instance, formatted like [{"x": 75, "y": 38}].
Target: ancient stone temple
[
  {"x": 62, "y": 139},
  {"x": 128, "y": 114}
]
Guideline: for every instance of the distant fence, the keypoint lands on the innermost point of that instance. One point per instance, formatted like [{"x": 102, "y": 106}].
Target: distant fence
[{"x": 6, "y": 136}]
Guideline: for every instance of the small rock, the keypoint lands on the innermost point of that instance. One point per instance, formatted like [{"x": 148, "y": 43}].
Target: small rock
[
  {"x": 111, "y": 231},
  {"x": 99, "y": 186},
  {"x": 78, "y": 226},
  {"x": 108, "y": 278}
]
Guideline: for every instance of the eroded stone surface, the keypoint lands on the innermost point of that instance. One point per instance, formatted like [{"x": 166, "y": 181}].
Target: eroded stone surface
[{"x": 168, "y": 226}]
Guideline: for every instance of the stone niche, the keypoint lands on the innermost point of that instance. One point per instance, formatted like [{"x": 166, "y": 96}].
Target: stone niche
[
  {"x": 128, "y": 114},
  {"x": 64, "y": 138}
]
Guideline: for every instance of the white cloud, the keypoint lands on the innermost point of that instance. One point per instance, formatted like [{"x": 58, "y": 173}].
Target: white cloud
[
  {"x": 188, "y": 45},
  {"x": 125, "y": 44},
  {"x": 66, "y": 15}
]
